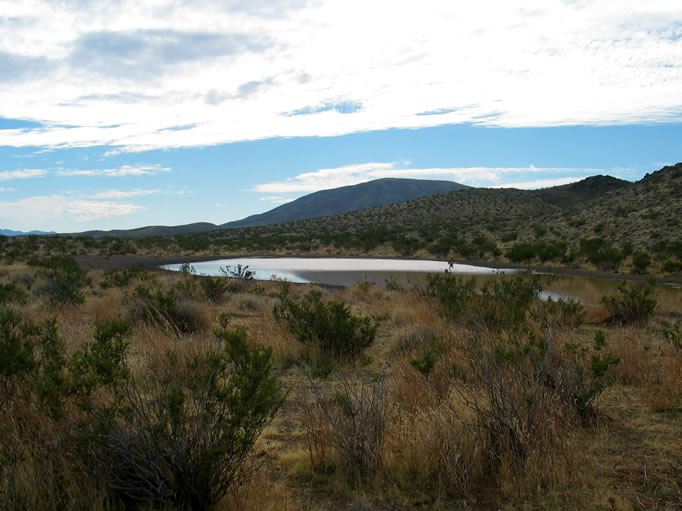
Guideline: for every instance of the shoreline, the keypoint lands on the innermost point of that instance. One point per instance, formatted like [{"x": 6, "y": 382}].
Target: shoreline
[{"x": 154, "y": 263}]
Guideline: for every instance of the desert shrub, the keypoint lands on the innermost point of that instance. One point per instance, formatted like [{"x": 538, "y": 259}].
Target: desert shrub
[
  {"x": 16, "y": 346},
  {"x": 179, "y": 432},
  {"x": 671, "y": 266},
  {"x": 634, "y": 303},
  {"x": 581, "y": 383},
  {"x": 352, "y": 421},
  {"x": 504, "y": 303},
  {"x": 176, "y": 433},
  {"x": 64, "y": 279},
  {"x": 674, "y": 335},
  {"x": 121, "y": 277},
  {"x": 213, "y": 288},
  {"x": 153, "y": 306},
  {"x": 601, "y": 253},
  {"x": 641, "y": 261},
  {"x": 238, "y": 272},
  {"x": 455, "y": 293},
  {"x": 522, "y": 252},
  {"x": 11, "y": 293},
  {"x": 328, "y": 326}
]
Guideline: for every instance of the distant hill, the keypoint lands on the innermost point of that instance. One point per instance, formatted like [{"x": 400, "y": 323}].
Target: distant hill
[
  {"x": 371, "y": 194},
  {"x": 581, "y": 191},
  {"x": 10, "y": 232},
  {"x": 319, "y": 204},
  {"x": 154, "y": 230}
]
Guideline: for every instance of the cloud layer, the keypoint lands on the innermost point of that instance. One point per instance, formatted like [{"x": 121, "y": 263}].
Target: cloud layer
[{"x": 177, "y": 74}]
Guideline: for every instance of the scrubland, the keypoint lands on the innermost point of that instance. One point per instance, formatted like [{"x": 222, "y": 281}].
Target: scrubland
[{"x": 157, "y": 390}]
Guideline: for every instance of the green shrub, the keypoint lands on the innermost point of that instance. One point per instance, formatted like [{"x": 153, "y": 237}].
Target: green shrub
[
  {"x": 11, "y": 293},
  {"x": 455, "y": 293},
  {"x": 633, "y": 305},
  {"x": 329, "y": 326},
  {"x": 575, "y": 386},
  {"x": 179, "y": 433},
  {"x": 176, "y": 433},
  {"x": 641, "y": 261},
  {"x": 522, "y": 252},
  {"x": 213, "y": 287},
  {"x": 121, "y": 277},
  {"x": 64, "y": 279}
]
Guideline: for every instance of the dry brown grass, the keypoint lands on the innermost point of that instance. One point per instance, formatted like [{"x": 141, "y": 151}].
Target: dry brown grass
[{"x": 435, "y": 455}]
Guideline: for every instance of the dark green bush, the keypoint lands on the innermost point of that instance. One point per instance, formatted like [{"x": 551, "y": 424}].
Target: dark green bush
[
  {"x": 64, "y": 279},
  {"x": 641, "y": 261},
  {"x": 522, "y": 252},
  {"x": 601, "y": 253},
  {"x": 329, "y": 326},
  {"x": 213, "y": 287},
  {"x": 11, "y": 293},
  {"x": 634, "y": 304}
]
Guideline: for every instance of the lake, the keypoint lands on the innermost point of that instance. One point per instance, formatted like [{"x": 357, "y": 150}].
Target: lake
[{"x": 346, "y": 271}]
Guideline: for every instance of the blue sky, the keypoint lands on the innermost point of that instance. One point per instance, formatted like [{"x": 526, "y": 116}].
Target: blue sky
[{"x": 123, "y": 114}]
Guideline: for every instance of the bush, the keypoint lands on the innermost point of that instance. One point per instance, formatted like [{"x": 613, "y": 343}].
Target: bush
[
  {"x": 575, "y": 387},
  {"x": 182, "y": 432},
  {"x": 455, "y": 293},
  {"x": 213, "y": 287},
  {"x": 121, "y": 277},
  {"x": 11, "y": 293},
  {"x": 522, "y": 252},
  {"x": 177, "y": 433},
  {"x": 64, "y": 279},
  {"x": 634, "y": 305},
  {"x": 153, "y": 306},
  {"x": 329, "y": 326},
  {"x": 641, "y": 261}
]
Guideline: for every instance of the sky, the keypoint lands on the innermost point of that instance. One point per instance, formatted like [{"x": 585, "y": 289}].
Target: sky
[{"x": 121, "y": 114}]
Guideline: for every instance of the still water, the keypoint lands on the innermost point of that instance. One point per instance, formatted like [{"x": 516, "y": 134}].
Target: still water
[
  {"x": 335, "y": 270},
  {"x": 346, "y": 271}
]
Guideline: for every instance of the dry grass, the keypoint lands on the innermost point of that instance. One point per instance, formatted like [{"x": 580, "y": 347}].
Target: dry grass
[{"x": 434, "y": 456}]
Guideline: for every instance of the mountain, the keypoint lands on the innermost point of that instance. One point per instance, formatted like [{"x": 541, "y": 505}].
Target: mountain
[
  {"x": 10, "y": 232},
  {"x": 371, "y": 194},
  {"x": 581, "y": 191}
]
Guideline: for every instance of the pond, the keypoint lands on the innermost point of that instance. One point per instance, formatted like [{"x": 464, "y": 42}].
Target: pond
[{"x": 346, "y": 271}]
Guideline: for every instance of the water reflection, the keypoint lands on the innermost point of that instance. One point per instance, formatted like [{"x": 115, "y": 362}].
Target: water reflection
[{"x": 346, "y": 271}]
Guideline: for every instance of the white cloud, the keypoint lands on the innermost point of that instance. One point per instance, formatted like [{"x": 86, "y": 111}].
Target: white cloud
[
  {"x": 84, "y": 210},
  {"x": 125, "y": 170},
  {"x": 22, "y": 174},
  {"x": 38, "y": 210},
  {"x": 324, "y": 179},
  {"x": 278, "y": 199},
  {"x": 121, "y": 194},
  {"x": 139, "y": 75}
]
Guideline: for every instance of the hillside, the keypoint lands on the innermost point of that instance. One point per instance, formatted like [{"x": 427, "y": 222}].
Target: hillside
[
  {"x": 599, "y": 223},
  {"x": 372, "y": 194}
]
